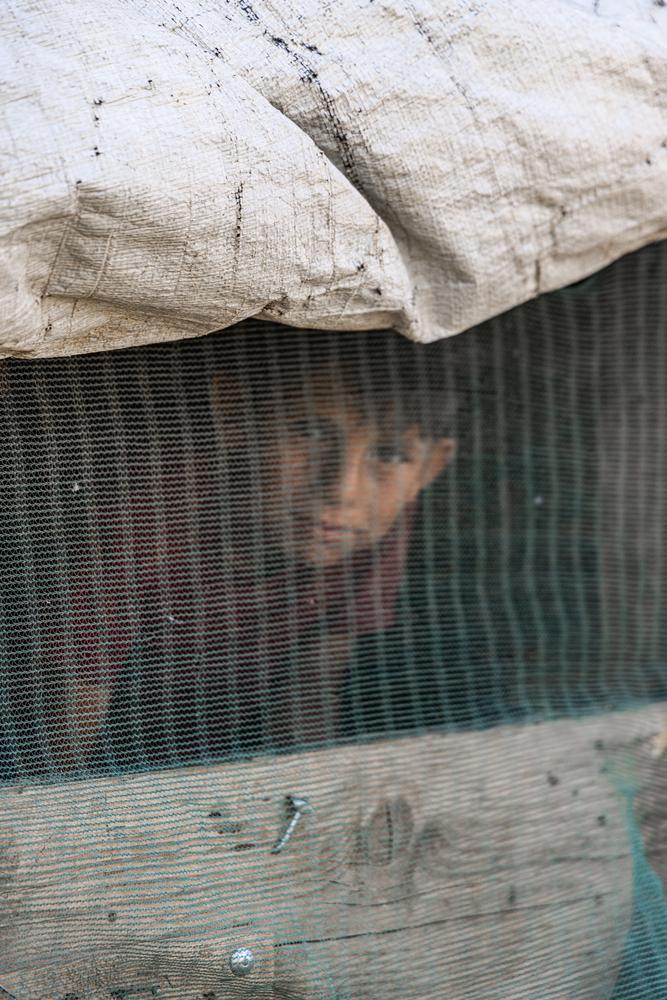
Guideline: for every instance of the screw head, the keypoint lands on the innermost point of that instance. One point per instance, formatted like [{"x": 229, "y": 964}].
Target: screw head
[
  {"x": 242, "y": 961},
  {"x": 299, "y": 804}
]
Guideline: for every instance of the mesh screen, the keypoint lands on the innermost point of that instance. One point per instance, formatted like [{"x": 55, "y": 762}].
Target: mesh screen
[{"x": 274, "y": 552}]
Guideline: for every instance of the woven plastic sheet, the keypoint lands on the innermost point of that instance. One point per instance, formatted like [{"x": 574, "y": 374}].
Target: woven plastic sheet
[
  {"x": 173, "y": 168},
  {"x": 420, "y": 588}
]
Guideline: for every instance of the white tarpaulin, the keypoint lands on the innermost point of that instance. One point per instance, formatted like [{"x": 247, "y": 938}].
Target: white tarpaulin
[{"x": 172, "y": 168}]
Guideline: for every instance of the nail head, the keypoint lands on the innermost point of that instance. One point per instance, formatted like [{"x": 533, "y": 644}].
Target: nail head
[{"x": 242, "y": 961}]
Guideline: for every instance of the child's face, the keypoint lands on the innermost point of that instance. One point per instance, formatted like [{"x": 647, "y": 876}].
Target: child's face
[{"x": 334, "y": 481}]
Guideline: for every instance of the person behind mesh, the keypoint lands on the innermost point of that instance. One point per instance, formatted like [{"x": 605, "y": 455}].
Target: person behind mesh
[{"x": 256, "y": 562}]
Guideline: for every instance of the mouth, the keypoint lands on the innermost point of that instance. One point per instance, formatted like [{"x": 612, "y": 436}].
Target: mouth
[
  {"x": 334, "y": 531},
  {"x": 328, "y": 531}
]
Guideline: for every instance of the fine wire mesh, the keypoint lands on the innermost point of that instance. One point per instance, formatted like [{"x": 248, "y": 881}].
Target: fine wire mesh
[{"x": 267, "y": 541}]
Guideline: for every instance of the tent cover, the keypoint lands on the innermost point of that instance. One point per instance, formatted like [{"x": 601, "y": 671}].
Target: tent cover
[{"x": 172, "y": 168}]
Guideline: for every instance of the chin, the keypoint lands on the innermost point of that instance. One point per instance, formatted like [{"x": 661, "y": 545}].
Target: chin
[{"x": 320, "y": 555}]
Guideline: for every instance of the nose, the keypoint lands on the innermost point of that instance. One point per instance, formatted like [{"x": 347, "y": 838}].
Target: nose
[{"x": 345, "y": 476}]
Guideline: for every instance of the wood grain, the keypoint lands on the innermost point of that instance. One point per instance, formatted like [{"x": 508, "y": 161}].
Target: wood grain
[{"x": 482, "y": 864}]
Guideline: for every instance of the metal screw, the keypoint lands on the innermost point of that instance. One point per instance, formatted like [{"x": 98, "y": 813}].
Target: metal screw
[
  {"x": 6, "y": 993},
  {"x": 242, "y": 961},
  {"x": 299, "y": 807}
]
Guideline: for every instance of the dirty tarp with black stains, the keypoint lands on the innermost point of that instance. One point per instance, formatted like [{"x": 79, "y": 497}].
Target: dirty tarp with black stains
[{"x": 173, "y": 168}]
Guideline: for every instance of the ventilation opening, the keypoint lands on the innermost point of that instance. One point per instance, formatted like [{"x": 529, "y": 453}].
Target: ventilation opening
[{"x": 265, "y": 539}]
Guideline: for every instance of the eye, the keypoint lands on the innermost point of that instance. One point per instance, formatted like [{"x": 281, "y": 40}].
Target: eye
[
  {"x": 307, "y": 430},
  {"x": 391, "y": 454}
]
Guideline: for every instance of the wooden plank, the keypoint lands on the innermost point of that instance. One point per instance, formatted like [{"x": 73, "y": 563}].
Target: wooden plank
[
  {"x": 147, "y": 970},
  {"x": 490, "y": 863},
  {"x": 651, "y": 803}
]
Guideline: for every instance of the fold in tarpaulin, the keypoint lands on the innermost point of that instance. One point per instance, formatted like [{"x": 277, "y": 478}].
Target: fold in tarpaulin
[{"x": 173, "y": 168}]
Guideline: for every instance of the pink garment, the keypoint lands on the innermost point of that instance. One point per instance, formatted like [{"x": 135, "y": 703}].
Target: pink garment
[{"x": 162, "y": 575}]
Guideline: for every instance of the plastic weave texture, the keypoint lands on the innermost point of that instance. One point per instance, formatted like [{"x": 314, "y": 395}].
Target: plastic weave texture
[{"x": 421, "y": 588}]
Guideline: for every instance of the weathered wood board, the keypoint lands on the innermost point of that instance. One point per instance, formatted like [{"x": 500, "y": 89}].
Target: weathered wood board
[{"x": 490, "y": 864}]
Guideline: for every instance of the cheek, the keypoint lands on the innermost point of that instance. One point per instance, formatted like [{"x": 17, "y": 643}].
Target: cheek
[
  {"x": 402, "y": 484},
  {"x": 285, "y": 473},
  {"x": 394, "y": 491}
]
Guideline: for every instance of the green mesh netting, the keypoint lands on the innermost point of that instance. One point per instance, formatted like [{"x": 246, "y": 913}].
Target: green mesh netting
[{"x": 268, "y": 549}]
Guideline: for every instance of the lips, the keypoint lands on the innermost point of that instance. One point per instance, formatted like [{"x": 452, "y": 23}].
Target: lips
[
  {"x": 331, "y": 532},
  {"x": 328, "y": 530}
]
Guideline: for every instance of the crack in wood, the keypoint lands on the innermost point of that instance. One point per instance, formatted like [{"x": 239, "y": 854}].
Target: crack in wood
[{"x": 474, "y": 917}]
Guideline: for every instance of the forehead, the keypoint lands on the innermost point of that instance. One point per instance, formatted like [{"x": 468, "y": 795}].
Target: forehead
[
  {"x": 348, "y": 405},
  {"x": 339, "y": 395}
]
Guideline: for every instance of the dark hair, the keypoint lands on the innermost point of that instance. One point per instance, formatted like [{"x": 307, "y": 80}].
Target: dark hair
[{"x": 394, "y": 379}]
